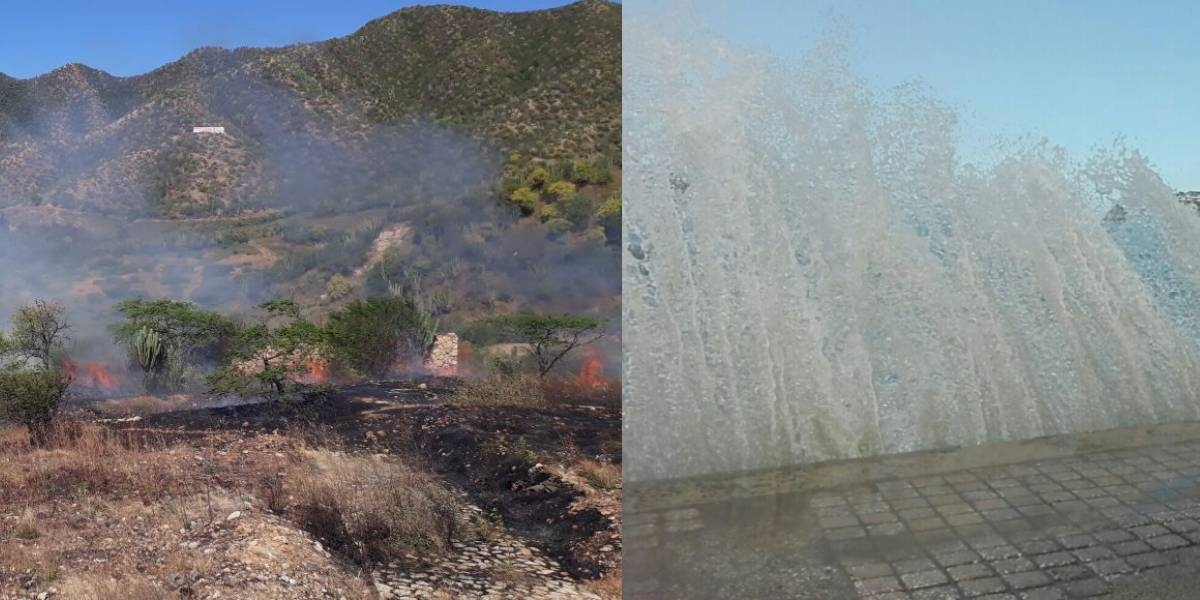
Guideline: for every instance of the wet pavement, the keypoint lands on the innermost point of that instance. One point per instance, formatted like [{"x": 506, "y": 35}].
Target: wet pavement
[{"x": 1119, "y": 523}]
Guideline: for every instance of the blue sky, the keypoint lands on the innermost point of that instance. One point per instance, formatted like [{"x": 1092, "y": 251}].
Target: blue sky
[
  {"x": 128, "y": 37},
  {"x": 1078, "y": 72}
]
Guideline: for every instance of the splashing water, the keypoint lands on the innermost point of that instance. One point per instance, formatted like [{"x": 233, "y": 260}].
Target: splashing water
[{"x": 813, "y": 274}]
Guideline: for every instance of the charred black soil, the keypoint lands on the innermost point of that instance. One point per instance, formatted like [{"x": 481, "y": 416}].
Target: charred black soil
[{"x": 511, "y": 461}]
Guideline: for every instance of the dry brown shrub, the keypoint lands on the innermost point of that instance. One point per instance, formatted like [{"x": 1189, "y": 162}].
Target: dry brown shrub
[
  {"x": 600, "y": 475},
  {"x": 607, "y": 587},
  {"x": 27, "y": 526},
  {"x": 372, "y": 509}
]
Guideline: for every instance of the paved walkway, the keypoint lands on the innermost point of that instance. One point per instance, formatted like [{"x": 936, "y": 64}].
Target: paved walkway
[{"x": 1092, "y": 525}]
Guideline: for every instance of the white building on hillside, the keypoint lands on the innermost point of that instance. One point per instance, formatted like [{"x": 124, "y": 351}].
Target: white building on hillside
[{"x": 208, "y": 130}]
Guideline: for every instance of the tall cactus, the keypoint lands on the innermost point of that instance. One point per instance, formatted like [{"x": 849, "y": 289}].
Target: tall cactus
[
  {"x": 150, "y": 353},
  {"x": 148, "y": 350}
]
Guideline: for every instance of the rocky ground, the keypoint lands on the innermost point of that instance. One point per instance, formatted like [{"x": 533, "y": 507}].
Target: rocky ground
[{"x": 178, "y": 504}]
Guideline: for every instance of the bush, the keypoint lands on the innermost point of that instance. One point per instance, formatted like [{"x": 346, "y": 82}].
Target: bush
[
  {"x": 525, "y": 199},
  {"x": 32, "y": 398},
  {"x": 558, "y": 226},
  {"x": 599, "y": 475},
  {"x": 562, "y": 190},
  {"x": 582, "y": 172},
  {"x": 577, "y": 210},
  {"x": 537, "y": 177},
  {"x": 371, "y": 335},
  {"x": 372, "y": 509},
  {"x": 548, "y": 212},
  {"x": 609, "y": 212},
  {"x": 338, "y": 287}
]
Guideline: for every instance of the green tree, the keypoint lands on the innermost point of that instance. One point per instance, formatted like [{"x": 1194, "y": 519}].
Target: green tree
[
  {"x": 32, "y": 384},
  {"x": 372, "y": 335},
  {"x": 277, "y": 343},
  {"x": 163, "y": 337},
  {"x": 550, "y": 336},
  {"x": 40, "y": 330}
]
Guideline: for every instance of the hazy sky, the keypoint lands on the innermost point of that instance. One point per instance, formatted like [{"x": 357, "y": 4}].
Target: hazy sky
[
  {"x": 128, "y": 37},
  {"x": 1078, "y": 72}
]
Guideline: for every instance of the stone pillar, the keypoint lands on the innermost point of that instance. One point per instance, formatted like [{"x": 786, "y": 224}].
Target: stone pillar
[{"x": 443, "y": 356}]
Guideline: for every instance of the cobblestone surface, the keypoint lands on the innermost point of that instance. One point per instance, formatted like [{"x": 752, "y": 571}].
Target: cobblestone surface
[
  {"x": 1064, "y": 528},
  {"x": 502, "y": 568},
  {"x": 1055, "y": 529}
]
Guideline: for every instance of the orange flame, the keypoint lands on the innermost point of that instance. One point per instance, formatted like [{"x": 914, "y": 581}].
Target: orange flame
[
  {"x": 316, "y": 371},
  {"x": 591, "y": 372},
  {"x": 92, "y": 374}
]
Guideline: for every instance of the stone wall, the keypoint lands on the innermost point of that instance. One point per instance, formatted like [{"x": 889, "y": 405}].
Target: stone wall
[{"x": 443, "y": 356}]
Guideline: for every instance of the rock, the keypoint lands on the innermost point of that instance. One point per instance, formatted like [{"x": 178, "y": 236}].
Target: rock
[
  {"x": 384, "y": 590},
  {"x": 233, "y": 515}
]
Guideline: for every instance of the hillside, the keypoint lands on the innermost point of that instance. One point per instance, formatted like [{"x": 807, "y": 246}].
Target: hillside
[{"x": 422, "y": 122}]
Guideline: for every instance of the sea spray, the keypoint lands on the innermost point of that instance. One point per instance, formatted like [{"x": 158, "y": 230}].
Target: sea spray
[{"x": 813, "y": 273}]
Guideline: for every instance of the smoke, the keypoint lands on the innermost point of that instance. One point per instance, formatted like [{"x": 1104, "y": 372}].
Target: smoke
[{"x": 94, "y": 170}]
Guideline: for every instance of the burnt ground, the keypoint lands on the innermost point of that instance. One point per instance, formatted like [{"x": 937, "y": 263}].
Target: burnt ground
[{"x": 511, "y": 461}]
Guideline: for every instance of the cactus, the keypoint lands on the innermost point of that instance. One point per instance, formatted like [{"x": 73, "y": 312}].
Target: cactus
[
  {"x": 149, "y": 350},
  {"x": 151, "y": 354}
]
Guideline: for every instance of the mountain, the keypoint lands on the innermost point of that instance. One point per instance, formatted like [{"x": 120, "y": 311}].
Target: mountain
[
  {"x": 544, "y": 83},
  {"x": 376, "y": 162}
]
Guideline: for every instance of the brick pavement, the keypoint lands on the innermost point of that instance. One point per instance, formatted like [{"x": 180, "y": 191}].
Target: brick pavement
[
  {"x": 1070, "y": 527},
  {"x": 1063, "y": 528}
]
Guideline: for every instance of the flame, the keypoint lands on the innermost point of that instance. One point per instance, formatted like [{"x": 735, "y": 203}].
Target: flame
[
  {"x": 591, "y": 372},
  {"x": 92, "y": 374},
  {"x": 316, "y": 371}
]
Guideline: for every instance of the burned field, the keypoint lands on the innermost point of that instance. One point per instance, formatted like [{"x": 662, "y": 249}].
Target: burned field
[{"x": 535, "y": 493}]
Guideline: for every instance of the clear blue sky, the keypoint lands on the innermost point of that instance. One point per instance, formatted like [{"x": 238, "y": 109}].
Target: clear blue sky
[
  {"x": 128, "y": 37},
  {"x": 1078, "y": 72}
]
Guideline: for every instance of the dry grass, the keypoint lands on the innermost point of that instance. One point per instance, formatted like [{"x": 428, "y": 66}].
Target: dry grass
[
  {"x": 607, "y": 587},
  {"x": 488, "y": 526},
  {"x": 27, "y": 527},
  {"x": 370, "y": 508},
  {"x": 523, "y": 391},
  {"x": 98, "y": 587},
  {"x": 81, "y": 460},
  {"x": 40, "y": 560},
  {"x": 606, "y": 392},
  {"x": 599, "y": 475}
]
